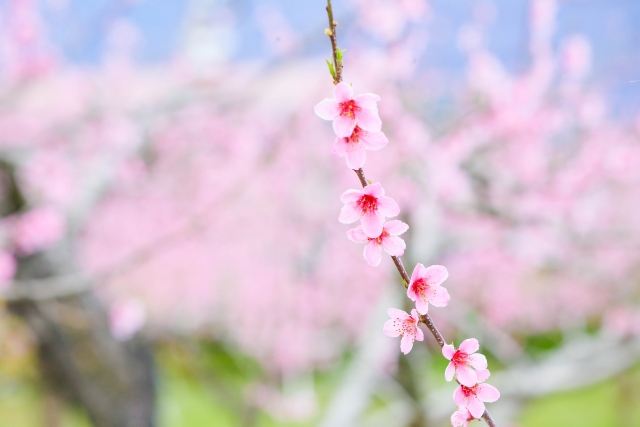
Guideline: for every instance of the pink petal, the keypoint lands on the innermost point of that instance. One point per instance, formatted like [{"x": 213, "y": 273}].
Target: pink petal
[
  {"x": 416, "y": 272},
  {"x": 475, "y": 407},
  {"x": 396, "y": 313},
  {"x": 373, "y": 253},
  {"x": 478, "y": 361},
  {"x": 367, "y": 100},
  {"x": 436, "y": 274},
  {"x": 343, "y": 92},
  {"x": 439, "y": 296},
  {"x": 415, "y": 316},
  {"x": 421, "y": 305},
  {"x": 372, "y": 225},
  {"x": 406, "y": 344},
  {"x": 467, "y": 376},
  {"x": 395, "y": 227},
  {"x": 394, "y": 245},
  {"x": 351, "y": 196},
  {"x": 419, "y": 335},
  {"x": 344, "y": 125},
  {"x": 488, "y": 393},
  {"x": 469, "y": 346},
  {"x": 339, "y": 147},
  {"x": 483, "y": 375},
  {"x": 374, "y": 190},
  {"x": 459, "y": 397},
  {"x": 349, "y": 213},
  {"x": 460, "y": 418},
  {"x": 368, "y": 119},
  {"x": 388, "y": 207},
  {"x": 389, "y": 329},
  {"x": 448, "y": 351},
  {"x": 356, "y": 235},
  {"x": 411, "y": 294},
  {"x": 373, "y": 140},
  {"x": 356, "y": 156},
  {"x": 327, "y": 109},
  {"x": 448, "y": 373}
]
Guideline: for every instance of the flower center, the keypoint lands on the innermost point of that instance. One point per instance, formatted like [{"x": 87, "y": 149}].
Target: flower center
[
  {"x": 469, "y": 391},
  {"x": 407, "y": 326},
  {"x": 355, "y": 136},
  {"x": 378, "y": 240},
  {"x": 348, "y": 108},
  {"x": 421, "y": 287},
  {"x": 368, "y": 204},
  {"x": 460, "y": 358}
]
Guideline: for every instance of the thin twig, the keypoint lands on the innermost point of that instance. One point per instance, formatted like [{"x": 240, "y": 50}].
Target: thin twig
[
  {"x": 426, "y": 319},
  {"x": 334, "y": 44}
]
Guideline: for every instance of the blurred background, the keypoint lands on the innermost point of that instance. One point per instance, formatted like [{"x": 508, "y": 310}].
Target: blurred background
[{"x": 170, "y": 253}]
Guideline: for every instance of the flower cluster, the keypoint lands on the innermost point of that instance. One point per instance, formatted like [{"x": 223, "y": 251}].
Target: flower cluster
[{"x": 358, "y": 128}]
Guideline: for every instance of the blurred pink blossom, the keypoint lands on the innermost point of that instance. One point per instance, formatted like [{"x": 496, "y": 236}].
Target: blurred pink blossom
[
  {"x": 126, "y": 317},
  {"x": 35, "y": 230}
]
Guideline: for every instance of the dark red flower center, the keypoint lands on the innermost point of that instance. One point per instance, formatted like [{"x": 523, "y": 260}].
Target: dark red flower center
[
  {"x": 421, "y": 286},
  {"x": 460, "y": 358},
  {"x": 469, "y": 391},
  {"x": 349, "y": 108},
  {"x": 368, "y": 204},
  {"x": 355, "y": 135},
  {"x": 378, "y": 240}
]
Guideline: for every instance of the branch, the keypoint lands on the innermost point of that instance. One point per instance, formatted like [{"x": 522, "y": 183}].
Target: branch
[{"x": 426, "y": 319}]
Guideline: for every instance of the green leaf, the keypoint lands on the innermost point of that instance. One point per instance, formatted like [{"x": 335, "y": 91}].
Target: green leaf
[
  {"x": 331, "y": 69},
  {"x": 339, "y": 55}
]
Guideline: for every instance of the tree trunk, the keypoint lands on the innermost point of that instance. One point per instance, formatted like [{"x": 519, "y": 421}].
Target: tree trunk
[{"x": 114, "y": 382}]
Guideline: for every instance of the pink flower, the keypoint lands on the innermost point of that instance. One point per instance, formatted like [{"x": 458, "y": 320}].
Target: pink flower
[
  {"x": 36, "y": 230},
  {"x": 387, "y": 240},
  {"x": 462, "y": 360},
  {"x": 473, "y": 398},
  {"x": 346, "y": 111},
  {"x": 8, "y": 268},
  {"x": 425, "y": 287},
  {"x": 371, "y": 205},
  {"x": 403, "y": 324},
  {"x": 126, "y": 317},
  {"x": 461, "y": 417},
  {"x": 354, "y": 146}
]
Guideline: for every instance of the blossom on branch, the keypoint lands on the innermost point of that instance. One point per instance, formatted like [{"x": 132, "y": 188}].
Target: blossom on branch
[
  {"x": 353, "y": 147},
  {"x": 425, "y": 287},
  {"x": 462, "y": 360},
  {"x": 371, "y": 205},
  {"x": 461, "y": 418},
  {"x": 387, "y": 240},
  {"x": 346, "y": 111},
  {"x": 473, "y": 398},
  {"x": 403, "y": 324}
]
